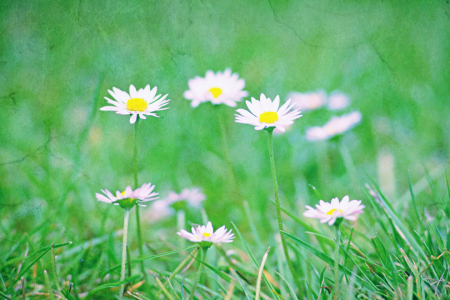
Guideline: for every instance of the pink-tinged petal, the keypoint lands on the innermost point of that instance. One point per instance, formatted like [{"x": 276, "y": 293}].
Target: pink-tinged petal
[
  {"x": 284, "y": 108},
  {"x": 254, "y": 109},
  {"x": 335, "y": 202},
  {"x": 275, "y": 103},
  {"x": 133, "y": 92},
  {"x": 345, "y": 200},
  {"x": 133, "y": 118},
  {"x": 109, "y": 108},
  {"x": 209, "y": 228},
  {"x": 102, "y": 198},
  {"x": 246, "y": 114},
  {"x": 119, "y": 95}
]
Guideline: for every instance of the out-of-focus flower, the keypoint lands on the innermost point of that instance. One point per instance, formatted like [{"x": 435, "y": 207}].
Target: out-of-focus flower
[
  {"x": 338, "y": 100},
  {"x": 165, "y": 207},
  {"x": 308, "y": 101},
  {"x": 194, "y": 197},
  {"x": 335, "y": 126},
  {"x": 218, "y": 88},
  {"x": 128, "y": 198},
  {"x": 329, "y": 212},
  {"x": 264, "y": 113},
  {"x": 207, "y": 236},
  {"x": 137, "y": 103}
]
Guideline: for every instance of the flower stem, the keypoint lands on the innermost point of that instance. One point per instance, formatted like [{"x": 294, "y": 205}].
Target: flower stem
[
  {"x": 136, "y": 182},
  {"x": 336, "y": 263},
  {"x": 178, "y": 269},
  {"x": 277, "y": 199},
  {"x": 124, "y": 251},
  {"x": 199, "y": 273}
]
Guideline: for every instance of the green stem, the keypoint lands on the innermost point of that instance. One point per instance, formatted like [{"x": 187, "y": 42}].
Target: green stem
[
  {"x": 136, "y": 183},
  {"x": 199, "y": 273},
  {"x": 135, "y": 153},
  {"x": 336, "y": 263},
  {"x": 225, "y": 147},
  {"x": 277, "y": 199},
  {"x": 124, "y": 251},
  {"x": 178, "y": 269}
]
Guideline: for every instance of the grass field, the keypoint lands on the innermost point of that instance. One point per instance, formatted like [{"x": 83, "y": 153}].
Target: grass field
[{"x": 58, "y": 59}]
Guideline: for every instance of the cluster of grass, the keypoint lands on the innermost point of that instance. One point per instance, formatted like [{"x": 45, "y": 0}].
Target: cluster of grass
[{"x": 57, "y": 61}]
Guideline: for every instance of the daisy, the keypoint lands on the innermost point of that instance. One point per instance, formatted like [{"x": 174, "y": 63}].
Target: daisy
[
  {"x": 128, "y": 198},
  {"x": 206, "y": 234},
  {"x": 142, "y": 102},
  {"x": 329, "y": 212},
  {"x": 264, "y": 113},
  {"x": 338, "y": 100},
  {"x": 218, "y": 88},
  {"x": 165, "y": 207},
  {"x": 194, "y": 197},
  {"x": 308, "y": 101},
  {"x": 335, "y": 126}
]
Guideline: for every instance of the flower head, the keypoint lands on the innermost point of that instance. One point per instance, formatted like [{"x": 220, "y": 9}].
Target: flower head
[
  {"x": 335, "y": 126},
  {"x": 264, "y": 113},
  {"x": 207, "y": 236},
  {"x": 218, "y": 88},
  {"x": 329, "y": 212},
  {"x": 308, "y": 101},
  {"x": 128, "y": 198},
  {"x": 165, "y": 207},
  {"x": 338, "y": 100},
  {"x": 142, "y": 102}
]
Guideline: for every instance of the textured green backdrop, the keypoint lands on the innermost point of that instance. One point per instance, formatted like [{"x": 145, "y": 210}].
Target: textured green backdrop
[{"x": 59, "y": 58}]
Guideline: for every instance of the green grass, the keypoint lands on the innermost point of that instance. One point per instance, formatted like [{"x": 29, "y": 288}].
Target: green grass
[{"x": 57, "y": 61}]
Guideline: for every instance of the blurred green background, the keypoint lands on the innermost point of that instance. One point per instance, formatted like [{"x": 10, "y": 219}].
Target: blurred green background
[{"x": 59, "y": 58}]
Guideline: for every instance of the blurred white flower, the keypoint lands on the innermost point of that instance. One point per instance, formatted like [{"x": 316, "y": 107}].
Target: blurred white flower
[
  {"x": 264, "y": 113},
  {"x": 194, "y": 197},
  {"x": 308, "y": 101},
  {"x": 128, "y": 198},
  {"x": 338, "y": 100},
  {"x": 207, "y": 234},
  {"x": 329, "y": 212},
  {"x": 218, "y": 88},
  {"x": 335, "y": 126},
  {"x": 165, "y": 207},
  {"x": 142, "y": 102}
]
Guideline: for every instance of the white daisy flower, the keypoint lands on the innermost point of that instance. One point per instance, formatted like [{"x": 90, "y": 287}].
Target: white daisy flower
[
  {"x": 194, "y": 197},
  {"x": 329, "y": 212},
  {"x": 207, "y": 235},
  {"x": 335, "y": 126},
  {"x": 142, "y": 102},
  {"x": 264, "y": 113},
  {"x": 128, "y": 198},
  {"x": 218, "y": 88},
  {"x": 308, "y": 101},
  {"x": 165, "y": 207},
  {"x": 338, "y": 100}
]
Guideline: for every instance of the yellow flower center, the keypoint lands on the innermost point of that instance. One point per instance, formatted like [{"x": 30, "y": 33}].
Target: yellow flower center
[
  {"x": 123, "y": 194},
  {"x": 205, "y": 234},
  {"x": 268, "y": 117},
  {"x": 215, "y": 91},
  {"x": 329, "y": 129},
  {"x": 136, "y": 104},
  {"x": 333, "y": 210}
]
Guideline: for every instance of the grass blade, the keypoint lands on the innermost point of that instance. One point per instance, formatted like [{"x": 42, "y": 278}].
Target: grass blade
[
  {"x": 247, "y": 295},
  {"x": 113, "y": 284},
  {"x": 247, "y": 249},
  {"x": 326, "y": 259},
  {"x": 47, "y": 285},
  {"x": 258, "y": 282}
]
